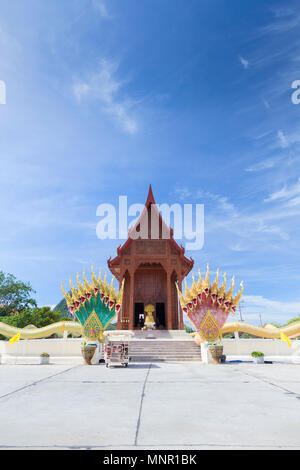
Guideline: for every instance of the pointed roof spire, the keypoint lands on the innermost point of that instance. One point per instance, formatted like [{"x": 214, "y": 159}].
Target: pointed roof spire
[
  {"x": 150, "y": 198},
  {"x": 187, "y": 263}
]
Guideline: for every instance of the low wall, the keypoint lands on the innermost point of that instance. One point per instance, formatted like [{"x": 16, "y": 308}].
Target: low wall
[
  {"x": 66, "y": 351},
  {"x": 62, "y": 351},
  {"x": 270, "y": 347}
]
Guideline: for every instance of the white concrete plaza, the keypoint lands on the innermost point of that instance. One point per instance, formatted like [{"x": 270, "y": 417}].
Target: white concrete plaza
[{"x": 150, "y": 406}]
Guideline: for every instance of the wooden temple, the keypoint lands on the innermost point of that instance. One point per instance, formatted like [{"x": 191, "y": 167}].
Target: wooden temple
[{"x": 151, "y": 263}]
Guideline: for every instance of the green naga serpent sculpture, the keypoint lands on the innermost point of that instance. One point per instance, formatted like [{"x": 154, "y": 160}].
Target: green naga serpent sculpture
[{"x": 95, "y": 305}]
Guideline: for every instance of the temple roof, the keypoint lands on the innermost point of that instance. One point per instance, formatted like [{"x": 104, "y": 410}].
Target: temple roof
[{"x": 151, "y": 202}]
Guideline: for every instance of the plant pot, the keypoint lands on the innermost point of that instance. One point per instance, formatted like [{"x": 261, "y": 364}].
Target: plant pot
[
  {"x": 259, "y": 359},
  {"x": 216, "y": 353},
  {"x": 88, "y": 353},
  {"x": 44, "y": 360}
]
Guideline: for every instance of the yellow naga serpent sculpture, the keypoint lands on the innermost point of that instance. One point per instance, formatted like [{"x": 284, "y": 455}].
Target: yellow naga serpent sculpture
[
  {"x": 269, "y": 331},
  {"x": 208, "y": 306},
  {"x": 94, "y": 304}
]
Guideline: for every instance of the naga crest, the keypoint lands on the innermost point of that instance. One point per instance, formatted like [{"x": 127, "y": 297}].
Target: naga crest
[
  {"x": 208, "y": 306},
  {"x": 94, "y": 304}
]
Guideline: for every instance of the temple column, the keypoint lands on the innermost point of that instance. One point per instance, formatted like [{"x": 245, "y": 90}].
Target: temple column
[
  {"x": 181, "y": 325},
  {"x": 131, "y": 295},
  {"x": 120, "y": 325},
  {"x": 169, "y": 301}
]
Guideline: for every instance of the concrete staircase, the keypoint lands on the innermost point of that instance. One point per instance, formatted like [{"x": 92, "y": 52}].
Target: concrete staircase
[{"x": 164, "y": 350}]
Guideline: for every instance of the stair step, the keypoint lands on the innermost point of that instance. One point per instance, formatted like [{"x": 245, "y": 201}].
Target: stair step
[
  {"x": 160, "y": 351},
  {"x": 169, "y": 359}
]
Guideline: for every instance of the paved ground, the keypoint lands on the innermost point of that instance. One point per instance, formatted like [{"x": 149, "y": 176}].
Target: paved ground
[{"x": 165, "y": 405}]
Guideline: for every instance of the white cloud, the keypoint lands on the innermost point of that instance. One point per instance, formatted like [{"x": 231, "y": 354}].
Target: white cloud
[
  {"x": 267, "y": 104},
  {"x": 104, "y": 87},
  {"x": 239, "y": 247},
  {"x": 100, "y": 6},
  {"x": 11, "y": 50},
  {"x": 253, "y": 305},
  {"x": 221, "y": 202},
  {"x": 280, "y": 12},
  {"x": 182, "y": 193},
  {"x": 246, "y": 224},
  {"x": 80, "y": 90},
  {"x": 283, "y": 140},
  {"x": 291, "y": 194},
  {"x": 244, "y": 62},
  {"x": 263, "y": 165},
  {"x": 286, "y": 19}
]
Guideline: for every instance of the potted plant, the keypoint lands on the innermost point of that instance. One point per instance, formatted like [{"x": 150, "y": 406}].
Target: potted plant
[
  {"x": 45, "y": 357},
  {"x": 88, "y": 351},
  {"x": 258, "y": 357},
  {"x": 216, "y": 351}
]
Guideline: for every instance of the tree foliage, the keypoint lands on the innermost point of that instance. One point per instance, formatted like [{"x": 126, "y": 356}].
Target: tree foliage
[
  {"x": 15, "y": 296},
  {"x": 293, "y": 320},
  {"x": 188, "y": 329},
  {"x": 38, "y": 317}
]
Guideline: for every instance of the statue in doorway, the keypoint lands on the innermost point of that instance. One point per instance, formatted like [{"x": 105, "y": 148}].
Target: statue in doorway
[{"x": 149, "y": 320}]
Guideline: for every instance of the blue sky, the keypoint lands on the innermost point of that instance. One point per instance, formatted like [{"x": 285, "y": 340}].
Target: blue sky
[{"x": 107, "y": 96}]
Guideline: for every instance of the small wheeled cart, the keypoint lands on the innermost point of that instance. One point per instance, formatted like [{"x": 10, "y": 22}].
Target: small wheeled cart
[{"x": 116, "y": 350}]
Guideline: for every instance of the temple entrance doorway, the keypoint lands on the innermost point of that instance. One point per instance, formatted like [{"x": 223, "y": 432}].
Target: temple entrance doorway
[
  {"x": 138, "y": 315},
  {"x": 150, "y": 288},
  {"x": 160, "y": 316}
]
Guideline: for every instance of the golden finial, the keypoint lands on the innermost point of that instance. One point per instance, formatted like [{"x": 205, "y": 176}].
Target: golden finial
[
  {"x": 230, "y": 292},
  {"x": 79, "y": 285},
  {"x": 63, "y": 289},
  {"x": 215, "y": 285},
  {"x": 86, "y": 284},
  {"x": 199, "y": 283},
  {"x": 194, "y": 288},
  {"x": 101, "y": 285},
  {"x": 112, "y": 297},
  {"x": 95, "y": 281},
  {"x": 120, "y": 293},
  {"x": 106, "y": 288},
  {"x": 206, "y": 280},
  {"x": 180, "y": 295},
  {"x": 66, "y": 295},
  {"x": 188, "y": 295},
  {"x": 119, "y": 298},
  {"x": 222, "y": 289},
  {"x": 112, "y": 292},
  {"x": 237, "y": 298},
  {"x": 73, "y": 290}
]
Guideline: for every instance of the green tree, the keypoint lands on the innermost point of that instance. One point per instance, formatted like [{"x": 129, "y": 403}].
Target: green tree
[
  {"x": 38, "y": 317},
  {"x": 188, "y": 329},
  {"x": 293, "y": 320},
  {"x": 15, "y": 296}
]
